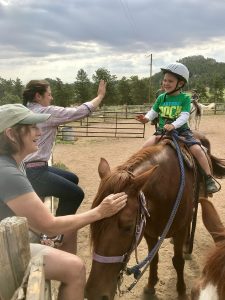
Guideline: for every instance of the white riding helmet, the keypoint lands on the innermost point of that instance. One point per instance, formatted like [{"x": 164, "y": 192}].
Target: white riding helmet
[{"x": 177, "y": 69}]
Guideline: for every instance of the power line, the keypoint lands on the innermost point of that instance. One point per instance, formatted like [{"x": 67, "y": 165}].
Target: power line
[{"x": 129, "y": 16}]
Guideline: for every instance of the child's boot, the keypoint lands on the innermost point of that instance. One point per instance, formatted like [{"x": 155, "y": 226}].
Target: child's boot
[{"x": 211, "y": 186}]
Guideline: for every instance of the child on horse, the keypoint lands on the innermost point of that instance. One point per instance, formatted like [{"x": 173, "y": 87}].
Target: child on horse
[{"x": 173, "y": 109}]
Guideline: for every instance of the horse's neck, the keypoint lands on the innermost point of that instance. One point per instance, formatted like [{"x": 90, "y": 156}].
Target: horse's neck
[
  {"x": 152, "y": 159},
  {"x": 142, "y": 167}
]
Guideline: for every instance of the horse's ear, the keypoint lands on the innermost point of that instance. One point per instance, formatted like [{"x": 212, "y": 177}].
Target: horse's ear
[
  {"x": 103, "y": 168},
  {"x": 140, "y": 180}
]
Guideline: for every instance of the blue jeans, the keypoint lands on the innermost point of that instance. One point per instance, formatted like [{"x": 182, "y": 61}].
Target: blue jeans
[{"x": 51, "y": 181}]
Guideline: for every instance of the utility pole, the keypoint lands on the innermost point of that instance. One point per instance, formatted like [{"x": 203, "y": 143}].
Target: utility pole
[{"x": 150, "y": 78}]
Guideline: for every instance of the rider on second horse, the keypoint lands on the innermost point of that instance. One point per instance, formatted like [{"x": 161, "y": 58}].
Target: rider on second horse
[{"x": 173, "y": 109}]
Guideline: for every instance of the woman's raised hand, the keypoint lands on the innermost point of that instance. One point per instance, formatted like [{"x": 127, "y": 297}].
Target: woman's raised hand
[{"x": 102, "y": 88}]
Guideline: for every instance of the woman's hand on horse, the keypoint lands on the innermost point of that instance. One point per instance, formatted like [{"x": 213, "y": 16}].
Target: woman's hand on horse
[
  {"x": 112, "y": 204},
  {"x": 142, "y": 119},
  {"x": 169, "y": 127}
]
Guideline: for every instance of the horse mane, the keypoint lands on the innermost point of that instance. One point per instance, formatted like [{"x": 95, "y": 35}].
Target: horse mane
[
  {"x": 113, "y": 183},
  {"x": 214, "y": 269},
  {"x": 116, "y": 182},
  {"x": 137, "y": 158}
]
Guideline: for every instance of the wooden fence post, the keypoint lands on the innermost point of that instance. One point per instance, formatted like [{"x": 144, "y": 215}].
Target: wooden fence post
[{"x": 14, "y": 254}]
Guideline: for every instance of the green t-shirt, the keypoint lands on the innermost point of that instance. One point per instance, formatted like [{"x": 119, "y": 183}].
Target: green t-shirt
[{"x": 169, "y": 108}]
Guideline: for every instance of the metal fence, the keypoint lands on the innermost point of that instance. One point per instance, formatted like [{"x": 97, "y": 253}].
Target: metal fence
[{"x": 103, "y": 124}]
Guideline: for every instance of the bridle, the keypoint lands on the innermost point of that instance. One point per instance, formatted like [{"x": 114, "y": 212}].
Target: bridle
[{"x": 140, "y": 224}]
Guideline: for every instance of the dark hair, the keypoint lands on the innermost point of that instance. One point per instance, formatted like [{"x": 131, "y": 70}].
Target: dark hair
[
  {"x": 33, "y": 87},
  {"x": 9, "y": 147}
]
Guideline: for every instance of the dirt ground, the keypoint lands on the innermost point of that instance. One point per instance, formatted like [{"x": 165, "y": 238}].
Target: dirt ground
[{"x": 83, "y": 157}]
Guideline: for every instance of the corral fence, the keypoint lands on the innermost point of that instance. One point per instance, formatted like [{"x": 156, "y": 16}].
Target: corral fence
[
  {"x": 219, "y": 108},
  {"x": 104, "y": 124},
  {"x": 115, "y": 121}
]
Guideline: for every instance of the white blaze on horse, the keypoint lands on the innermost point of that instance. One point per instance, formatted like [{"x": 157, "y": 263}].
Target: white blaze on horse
[
  {"x": 211, "y": 285},
  {"x": 197, "y": 112}
]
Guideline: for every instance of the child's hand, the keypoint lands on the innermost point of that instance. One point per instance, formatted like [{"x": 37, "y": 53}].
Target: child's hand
[
  {"x": 169, "y": 127},
  {"x": 142, "y": 119}
]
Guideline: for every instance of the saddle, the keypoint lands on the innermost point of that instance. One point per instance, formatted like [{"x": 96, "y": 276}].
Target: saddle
[{"x": 186, "y": 154}]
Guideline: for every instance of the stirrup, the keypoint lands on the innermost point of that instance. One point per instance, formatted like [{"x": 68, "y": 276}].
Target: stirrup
[{"x": 211, "y": 185}]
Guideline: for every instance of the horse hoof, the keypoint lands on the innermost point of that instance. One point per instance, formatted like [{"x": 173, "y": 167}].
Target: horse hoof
[
  {"x": 149, "y": 291},
  {"x": 187, "y": 256}
]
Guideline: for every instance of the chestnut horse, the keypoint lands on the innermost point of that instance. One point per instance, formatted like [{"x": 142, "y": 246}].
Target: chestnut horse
[
  {"x": 114, "y": 238},
  {"x": 211, "y": 285}
]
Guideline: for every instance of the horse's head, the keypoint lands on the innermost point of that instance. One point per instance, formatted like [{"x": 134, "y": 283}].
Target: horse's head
[{"x": 113, "y": 238}]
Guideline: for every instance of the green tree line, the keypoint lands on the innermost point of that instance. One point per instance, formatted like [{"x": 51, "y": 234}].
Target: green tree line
[{"x": 206, "y": 75}]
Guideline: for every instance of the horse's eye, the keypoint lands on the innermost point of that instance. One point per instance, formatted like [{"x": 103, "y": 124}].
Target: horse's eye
[{"x": 128, "y": 228}]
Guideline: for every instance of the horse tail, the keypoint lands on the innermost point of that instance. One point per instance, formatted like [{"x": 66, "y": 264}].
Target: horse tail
[
  {"x": 218, "y": 166},
  {"x": 204, "y": 141}
]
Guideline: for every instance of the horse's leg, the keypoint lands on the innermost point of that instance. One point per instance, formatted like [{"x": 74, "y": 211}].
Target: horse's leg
[
  {"x": 153, "y": 270},
  {"x": 187, "y": 242},
  {"x": 178, "y": 260}
]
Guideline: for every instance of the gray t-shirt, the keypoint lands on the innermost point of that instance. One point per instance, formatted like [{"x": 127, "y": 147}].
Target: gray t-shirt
[{"x": 13, "y": 182}]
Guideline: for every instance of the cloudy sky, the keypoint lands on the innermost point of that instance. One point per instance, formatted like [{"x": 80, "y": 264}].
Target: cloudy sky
[{"x": 55, "y": 38}]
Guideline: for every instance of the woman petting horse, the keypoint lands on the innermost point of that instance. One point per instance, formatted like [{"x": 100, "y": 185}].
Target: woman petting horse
[
  {"x": 155, "y": 170},
  {"x": 173, "y": 110},
  {"x": 18, "y": 138},
  {"x": 211, "y": 285}
]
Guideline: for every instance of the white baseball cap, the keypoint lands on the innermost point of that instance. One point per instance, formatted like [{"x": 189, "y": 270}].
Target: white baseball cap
[{"x": 12, "y": 114}]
